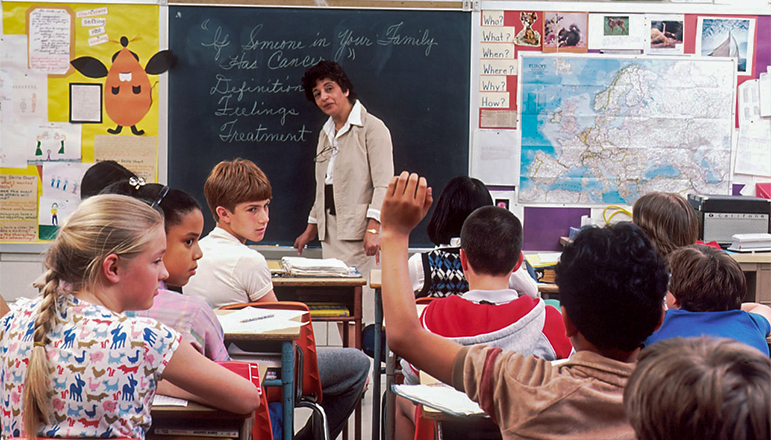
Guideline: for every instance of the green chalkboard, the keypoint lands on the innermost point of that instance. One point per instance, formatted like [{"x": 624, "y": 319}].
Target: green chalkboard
[{"x": 235, "y": 92}]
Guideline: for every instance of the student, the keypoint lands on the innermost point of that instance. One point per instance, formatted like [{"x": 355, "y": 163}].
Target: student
[
  {"x": 441, "y": 266},
  {"x": 238, "y": 194},
  {"x": 612, "y": 285},
  {"x": 668, "y": 219},
  {"x": 490, "y": 312},
  {"x": 705, "y": 298},
  {"x": 183, "y": 223},
  {"x": 106, "y": 259},
  {"x": 700, "y": 388},
  {"x": 101, "y": 174}
]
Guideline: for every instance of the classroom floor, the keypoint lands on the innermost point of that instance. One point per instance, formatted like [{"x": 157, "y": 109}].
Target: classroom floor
[{"x": 327, "y": 335}]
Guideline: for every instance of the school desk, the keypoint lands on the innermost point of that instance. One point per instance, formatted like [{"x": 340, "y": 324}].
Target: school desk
[
  {"x": 264, "y": 342},
  {"x": 333, "y": 290},
  {"x": 196, "y": 420}
]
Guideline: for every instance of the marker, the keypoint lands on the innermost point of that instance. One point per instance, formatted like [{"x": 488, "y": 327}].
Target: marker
[{"x": 257, "y": 318}]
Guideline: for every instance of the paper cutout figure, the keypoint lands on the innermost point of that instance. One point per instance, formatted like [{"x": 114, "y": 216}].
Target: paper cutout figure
[{"x": 127, "y": 90}]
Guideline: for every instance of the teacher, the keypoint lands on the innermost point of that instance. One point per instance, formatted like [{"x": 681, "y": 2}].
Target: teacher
[{"x": 354, "y": 163}]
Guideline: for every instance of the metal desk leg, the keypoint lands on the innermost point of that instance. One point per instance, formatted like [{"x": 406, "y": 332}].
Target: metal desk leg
[
  {"x": 376, "y": 368},
  {"x": 390, "y": 409},
  {"x": 287, "y": 378}
]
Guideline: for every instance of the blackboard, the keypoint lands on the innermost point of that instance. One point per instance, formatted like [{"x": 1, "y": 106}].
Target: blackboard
[{"x": 235, "y": 92}]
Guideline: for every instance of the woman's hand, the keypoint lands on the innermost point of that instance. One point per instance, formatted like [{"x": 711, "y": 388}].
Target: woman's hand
[
  {"x": 372, "y": 240},
  {"x": 305, "y": 237}
]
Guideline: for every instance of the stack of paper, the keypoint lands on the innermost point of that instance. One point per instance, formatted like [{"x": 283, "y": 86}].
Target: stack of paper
[
  {"x": 440, "y": 397},
  {"x": 299, "y": 266}
]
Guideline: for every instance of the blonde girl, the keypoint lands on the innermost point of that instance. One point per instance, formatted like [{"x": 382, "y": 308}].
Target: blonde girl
[{"x": 73, "y": 364}]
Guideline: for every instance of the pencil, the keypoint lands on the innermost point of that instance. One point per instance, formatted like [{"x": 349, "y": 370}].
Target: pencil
[{"x": 257, "y": 318}]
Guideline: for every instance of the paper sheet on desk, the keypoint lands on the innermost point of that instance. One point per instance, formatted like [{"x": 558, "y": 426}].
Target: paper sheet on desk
[
  {"x": 440, "y": 397},
  {"x": 163, "y": 400},
  {"x": 274, "y": 320}
]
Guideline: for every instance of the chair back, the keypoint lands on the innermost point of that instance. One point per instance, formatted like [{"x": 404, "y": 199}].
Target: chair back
[
  {"x": 262, "y": 429},
  {"x": 309, "y": 381}
]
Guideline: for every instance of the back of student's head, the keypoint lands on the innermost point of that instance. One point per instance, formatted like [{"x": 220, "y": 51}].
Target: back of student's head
[
  {"x": 700, "y": 388},
  {"x": 668, "y": 219},
  {"x": 491, "y": 238},
  {"x": 612, "y": 284},
  {"x": 705, "y": 279},
  {"x": 458, "y": 200},
  {"x": 235, "y": 181},
  {"x": 100, "y": 226},
  {"x": 102, "y": 174},
  {"x": 173, "y": 203}
]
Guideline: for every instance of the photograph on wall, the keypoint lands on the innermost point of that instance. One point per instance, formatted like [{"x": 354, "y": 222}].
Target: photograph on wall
[
  {"x": 529, "y": 33},
  {"x": 617, "y": 32},
  {"x": 666, "y": 34},
  {"x": 565, "y": 31},
  {"x": 728, "y": 38}
]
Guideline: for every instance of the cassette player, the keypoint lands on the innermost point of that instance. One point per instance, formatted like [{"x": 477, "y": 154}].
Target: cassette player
[{"x": 720, "y": 217}]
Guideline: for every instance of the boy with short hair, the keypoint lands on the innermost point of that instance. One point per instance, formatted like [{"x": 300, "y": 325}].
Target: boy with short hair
[
  {"x": 705, "y": 295},
  {"x": 238, "y": 194},
  {"x": 698, "y": 388},
  {"x": 490, "y": 312},
  {"x": 612, "y": 285}
]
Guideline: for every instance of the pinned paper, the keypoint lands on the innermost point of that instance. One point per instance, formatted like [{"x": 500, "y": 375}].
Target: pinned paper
[
  {"x": 18, "y": 206},
  {"x": 55, "y": 211},
  {"x": 62, "y": 180},
  {"x": 137, "y": 153},
  {"x": 51, "y": 36},
  {"x": 494, "y": 100},
  {"x": 53, "y": 142}
]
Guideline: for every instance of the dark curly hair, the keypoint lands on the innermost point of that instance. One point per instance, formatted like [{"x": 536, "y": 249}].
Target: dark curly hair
[
  {"x": 612, "y": 283},
  {"x": 459, "y": 198},
  {"x": 327, "y": 69}
]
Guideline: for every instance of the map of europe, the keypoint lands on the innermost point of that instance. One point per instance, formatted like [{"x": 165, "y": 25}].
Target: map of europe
[{"x": 600, "y": 130}]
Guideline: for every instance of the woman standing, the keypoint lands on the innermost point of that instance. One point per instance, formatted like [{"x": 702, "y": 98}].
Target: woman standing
[{"x": 354, "y": 163}]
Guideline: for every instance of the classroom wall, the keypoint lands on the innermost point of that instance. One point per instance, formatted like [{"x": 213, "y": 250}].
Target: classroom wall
[{"x": 491, "y": 140}]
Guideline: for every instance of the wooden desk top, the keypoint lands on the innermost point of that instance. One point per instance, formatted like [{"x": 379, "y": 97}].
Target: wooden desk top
[
  {"x": 319, "y": 282},
  {"x": 197, "y": 409},
  {"x": 757, "y": 257}
]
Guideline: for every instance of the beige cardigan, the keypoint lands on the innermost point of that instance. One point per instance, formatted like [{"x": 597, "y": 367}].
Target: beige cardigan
[{"x": 363, "y": 167}]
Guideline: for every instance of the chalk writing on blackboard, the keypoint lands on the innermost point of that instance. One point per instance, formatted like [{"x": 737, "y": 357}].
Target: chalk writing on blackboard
[{"x": 240, "y": 95}]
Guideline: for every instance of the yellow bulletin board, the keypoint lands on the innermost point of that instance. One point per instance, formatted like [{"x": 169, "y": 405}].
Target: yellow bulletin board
[{"x": 96, "y": 31}]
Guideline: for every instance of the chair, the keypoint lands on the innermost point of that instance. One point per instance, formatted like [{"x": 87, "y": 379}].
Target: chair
[
  {"x": 262, "y": 429},
  {"x": 308, "y": 383}
]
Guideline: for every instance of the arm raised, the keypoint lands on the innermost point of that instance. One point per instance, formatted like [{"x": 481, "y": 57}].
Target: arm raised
[{"x": 406, "y": 203}]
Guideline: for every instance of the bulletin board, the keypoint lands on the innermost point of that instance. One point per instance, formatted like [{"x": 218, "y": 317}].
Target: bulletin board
[
  {"x": 578, "y": 106},
  {"x": 56, "y": 121}
]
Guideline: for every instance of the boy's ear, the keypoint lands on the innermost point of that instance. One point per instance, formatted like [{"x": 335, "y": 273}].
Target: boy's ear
[
  {"x": 223, "y": 213},
  {"x": 110, "y": 268},
  {"x": 570, "y": 328},
  {"x": 464, "y": 260}
]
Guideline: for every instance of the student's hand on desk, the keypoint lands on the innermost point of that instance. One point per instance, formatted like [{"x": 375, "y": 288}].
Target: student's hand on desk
[
  {"x": 305, "y": 237},
  {"x": 407, "y": 201}
]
